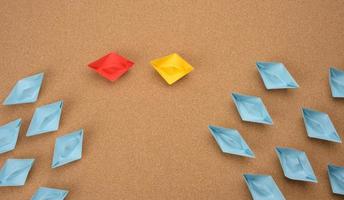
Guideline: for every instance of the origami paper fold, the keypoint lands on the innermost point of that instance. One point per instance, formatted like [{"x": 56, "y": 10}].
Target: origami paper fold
[
  {"x": 171, "y": 67},
  {"x": 295, "y": 165},
  {"x": 230, "y": 141},
  {"x": 111, "y": 66},
  {"x": 68, "y": 148},
  {"x": 263, "y": 187},
  {"x": 9, "y": 135},
  {"x": 275, "y": 76},
  {"x": 15, "y": 171},
  {"x": 44, "y": 193},
  {"x": 319, "y": 125},
  {"x": 45, "y": 119},
  {"x": 26, "y": 90},
  {"x": 336, "y": 176},
  {"x": 251, "y": 109},
  {"x": 337, "y": 82}
]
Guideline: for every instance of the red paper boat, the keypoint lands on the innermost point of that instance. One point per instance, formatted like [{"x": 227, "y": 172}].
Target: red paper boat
[{"x": 112, "y": 66}]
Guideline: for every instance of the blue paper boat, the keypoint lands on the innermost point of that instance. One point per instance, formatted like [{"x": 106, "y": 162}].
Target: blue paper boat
[
  {"x": 44, "y": 193},
  {"x": 230, "y": 141},
  {"x": 337, "y": 82},
  {"x": 263, "y": 187},
  {"x": 45, "y": 119},
  {"x": 319, "y": 125},
  {"x": 25, "y": 91},
  {"x": 336, "y": 176},
  {"x": 295, "y": 165},
  {"x": 15, "y": 171},
  {"x": 68, "y": 148},
  {"x": 251, "y": 109},
  {"x": 9, "y": 135},
  {"x": 275, "y": 76}
]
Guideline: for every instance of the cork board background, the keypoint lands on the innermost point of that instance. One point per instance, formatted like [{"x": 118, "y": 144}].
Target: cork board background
[{"x": 147, "y": 140}]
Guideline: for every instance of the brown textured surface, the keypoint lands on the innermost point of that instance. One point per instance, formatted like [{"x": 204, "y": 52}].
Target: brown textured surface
[{"x": 147, "y": 140}]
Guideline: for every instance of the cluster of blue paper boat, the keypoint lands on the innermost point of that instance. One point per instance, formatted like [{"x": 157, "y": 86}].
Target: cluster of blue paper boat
[
  {"x": 295, "y": 164},
  {"x": 68, "y": 148}
]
